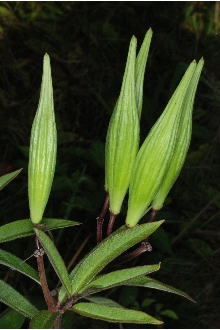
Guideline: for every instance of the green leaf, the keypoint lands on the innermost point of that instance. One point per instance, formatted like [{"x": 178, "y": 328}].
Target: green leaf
[
  {"x": 114, "y": 314},
  {"x": 14, "y": 299},
  {"x": 102, "y": 301},
  {"x": 55, "y": 259},
  {"x": 62, "y": 293},
  {"x": 16, "y": 263},
  {"x": 109, "y": 249},
  {"x": 148, "y": 282},
  {"x": 169, "y": 313},
  {"x": 11, "y": 319},
  {"x": 62, "y": 296},
  {"x": 43, "y": 320},
  {"x": 120, "y": 277},
  {"x": 158, "y": 307},
  {"x": 128, "y": 296},
  {"x": 59, "y": 223},
  {"x": 5, "y": 179},
  {"x": 161, "y": 241},
  {"x": 147, "y": 302},
  {"x": 22, "y": 228}
]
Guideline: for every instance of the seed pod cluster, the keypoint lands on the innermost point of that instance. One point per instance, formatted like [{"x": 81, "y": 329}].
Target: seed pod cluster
[
  {"x": 122, "y": 140},
  {"x": 150, "y": 172}
]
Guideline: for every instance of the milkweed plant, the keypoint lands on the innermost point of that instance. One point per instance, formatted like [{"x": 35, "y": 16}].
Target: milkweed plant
[{"x": 146, "y": 173}]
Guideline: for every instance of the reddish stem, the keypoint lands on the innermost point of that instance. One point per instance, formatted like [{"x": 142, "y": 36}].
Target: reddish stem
[
  {"x": 111, "y": 223},
  {"x": 101, "y": 219},
  {"x": 37, "y": 243},
  {"x": 153, "y": 215},
  {"x": 145, "y": 246},
  {"x": 40, "y": 264},
  {"x": 43, "y": 280}
]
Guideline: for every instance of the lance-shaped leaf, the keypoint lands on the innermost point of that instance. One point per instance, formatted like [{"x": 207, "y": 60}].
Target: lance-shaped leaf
[
  {"x": 55, "y": 259},
  {"x": 43, "y": 320},
  {"x": 23, "y": 228},
  {"x": 108, "y": 250},
  {"x": 148, "y": 282},
  {"x": 155, "y": 155},
  {"x": 114, "y": 314},
  {"x": 5, "y": 179},
  {"x": 119, "y": 277},
  {"x": 182, "y": 143},
  {"x": 43, "y": 147},
  {"x": 140, "y": 69},
  {"x": 19, "y": 265},
  {"x": 62, "y": 295},
  {"x": 122, "y": 136},
  {"x": 11, "y": 319},
  {"x": 14, "y": 299},
  {"x": 102, "y": 301}
]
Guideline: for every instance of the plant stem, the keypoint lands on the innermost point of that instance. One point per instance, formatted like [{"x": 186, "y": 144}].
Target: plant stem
[
  {"x": 57, "y": 324},
  {"x": 101, "y": 219},
  {"x": 43, "y": 225},
  {"x": 145, "y": 246},
  {"x": 40, "y": 264},
  {"x": 111, "y": 223},
  {"x": 45, "y": 288},
  {"x": 153, "y": 215}
]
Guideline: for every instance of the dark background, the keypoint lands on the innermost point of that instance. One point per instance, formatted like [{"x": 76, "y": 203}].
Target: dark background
[{"x": 88, "y": 43}]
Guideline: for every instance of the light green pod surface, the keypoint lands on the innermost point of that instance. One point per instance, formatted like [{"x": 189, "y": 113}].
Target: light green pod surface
[
  {"x": 122, "y": 137},
  {"x": 183, "y": 141},
  {"x": 140, "y": 69},
  {"x": 155, "y": 155},
  {"x": 43, "y": 148}
]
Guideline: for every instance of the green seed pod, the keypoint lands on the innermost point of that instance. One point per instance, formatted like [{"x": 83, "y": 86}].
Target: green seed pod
[
  {"x": 183, "y": 141},
  {"x": 43, "y": 148},
  {"x": 155, "y": 155},
  {"x": 122, "y": 137},
  {"x": 140, "y": 69}
]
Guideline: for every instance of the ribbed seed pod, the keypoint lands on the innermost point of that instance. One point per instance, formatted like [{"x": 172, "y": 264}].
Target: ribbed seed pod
[
  {"x": 183, "y": 141},
  {"x": 140, "y": 69},
  {"x": 43, "y": 148},
  {"x": 155, "y": 155},
  {"x": 122, "y": 137}
]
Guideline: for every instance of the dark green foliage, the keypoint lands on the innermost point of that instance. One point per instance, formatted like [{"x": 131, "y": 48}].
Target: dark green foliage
[{"x": 87, "y": 43}]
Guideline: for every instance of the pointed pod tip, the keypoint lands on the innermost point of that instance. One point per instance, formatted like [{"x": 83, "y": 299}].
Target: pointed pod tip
[
  {"x": 134, "y": 40},
  {"x": 46, "y": 58},
  {"x": 46, "y": 62},
  {"x": 150, "y": 30}
]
